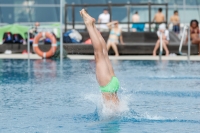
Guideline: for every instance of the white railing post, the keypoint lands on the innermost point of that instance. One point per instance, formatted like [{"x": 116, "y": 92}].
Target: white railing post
[
  {"x": 28, "y": 43},
  {"x": 61, "y": 36},
  {"x": 28, "y": 50},
  {"x": 182, "y": 40},
  {"x": 161, "y": 44},
  {"x": 189, "y": 43}
]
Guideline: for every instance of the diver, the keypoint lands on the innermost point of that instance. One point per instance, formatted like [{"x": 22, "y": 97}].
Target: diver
[{"x": 105, "y": 75}]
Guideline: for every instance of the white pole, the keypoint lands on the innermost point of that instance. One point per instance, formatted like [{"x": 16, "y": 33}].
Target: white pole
[
  {"x": 61, "y": 36},
  {"x": 182, "y": 39},
  {"x": 28, "y": 43},
  {"x": 189, "y": 43},
  {"x": 161, "y": 43}
]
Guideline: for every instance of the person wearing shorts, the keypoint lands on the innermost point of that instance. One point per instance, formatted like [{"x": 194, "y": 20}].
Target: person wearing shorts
[{"x": 176, "y": 22}]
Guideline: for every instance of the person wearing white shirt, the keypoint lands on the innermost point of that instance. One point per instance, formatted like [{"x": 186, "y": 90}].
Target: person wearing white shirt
[
  {"x": 164, "y": 33},
  {"x": 104, "y": 18}
]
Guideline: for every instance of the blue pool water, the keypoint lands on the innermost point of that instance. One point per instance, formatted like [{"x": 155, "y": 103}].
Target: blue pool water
[{"x": 45, "y": 98}]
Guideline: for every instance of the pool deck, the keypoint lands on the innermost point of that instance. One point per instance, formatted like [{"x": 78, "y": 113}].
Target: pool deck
[{"x": 91, "y": 57}]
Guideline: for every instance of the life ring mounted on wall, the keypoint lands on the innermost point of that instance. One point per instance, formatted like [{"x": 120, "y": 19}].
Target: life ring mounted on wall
[{"x": 36, "y": 48}]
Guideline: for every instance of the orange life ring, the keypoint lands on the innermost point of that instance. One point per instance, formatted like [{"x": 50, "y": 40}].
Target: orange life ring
[{"x": 37, "y": 50}]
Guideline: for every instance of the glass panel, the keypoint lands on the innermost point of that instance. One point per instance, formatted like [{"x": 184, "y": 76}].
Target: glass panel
[
  {"x": 69, "y": 14},
  {"x": 192, "y": 2},
  {"x": 25, "y": 13},
  {"x": 7, "y": 15},
  {"x": 139, "y": 1},
  {"x": 46, "y": 14},
  {"x": 143, "y": 12},
  {"x": 119, "y": 1},
  {"x": 21, "y": 14},
  {"x": 170, "y": 2},
  {"x": 28, "y": 1},
  {"x": 95, "y": 11},
  {"x": 179, "y": 2},
  {"x": 119, "y": 13},
  {"x": 77, "y": 14},
  {"x": 191, "y": 13},
  {"x": 157, "y": 1},
  {"x": 47, "y": 1},
  {"x": 6, "y": 1},
  {"x": 73, "y": 1},
  {"x": 94, "y": 2}
]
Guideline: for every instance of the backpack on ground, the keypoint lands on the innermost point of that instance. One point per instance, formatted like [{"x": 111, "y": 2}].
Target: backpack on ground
[{"x": 72, "y": 36}]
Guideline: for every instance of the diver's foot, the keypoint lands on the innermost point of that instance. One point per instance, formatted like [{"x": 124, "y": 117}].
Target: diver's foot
[
  {"x": 154, "y": 54},
  {"x": 88, "y": 20}
]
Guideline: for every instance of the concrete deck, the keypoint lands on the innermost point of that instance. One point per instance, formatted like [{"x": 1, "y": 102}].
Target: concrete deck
[{"x": 91, "y": 57}]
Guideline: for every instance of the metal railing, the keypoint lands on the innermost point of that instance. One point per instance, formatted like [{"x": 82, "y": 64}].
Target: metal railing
[
  {"x": 109, "y": 6},
  {"x": 182, "y": 41},
  {"x": 186, "y": 30}
]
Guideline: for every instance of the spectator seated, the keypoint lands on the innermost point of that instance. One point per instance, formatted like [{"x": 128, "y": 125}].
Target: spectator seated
[
  {"x": 8, "y": 37},
  {"x": 17, "y": 38}
]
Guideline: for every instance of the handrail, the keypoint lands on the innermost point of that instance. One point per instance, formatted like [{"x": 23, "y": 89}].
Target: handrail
[
  {"x": 182, "y": 40},
  {"x": 189, "y": 43},
  {"x": 185, "y": 30}
]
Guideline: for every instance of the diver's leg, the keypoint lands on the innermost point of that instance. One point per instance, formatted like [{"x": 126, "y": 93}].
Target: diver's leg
[
  {"x": 108, "y": 46},
  {"x": 102, "y": 72},
  {"x": 105, "y": 53},
  {"x": 111, "y": 97}
]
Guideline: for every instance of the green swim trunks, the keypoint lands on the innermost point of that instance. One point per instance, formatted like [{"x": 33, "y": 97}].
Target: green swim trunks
[{"x": 112, "y": 86}]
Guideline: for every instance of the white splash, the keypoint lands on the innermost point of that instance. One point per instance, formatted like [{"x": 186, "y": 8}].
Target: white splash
[
  {"x": 153, "y": 117},
  {"x": 109, "y": 110}
]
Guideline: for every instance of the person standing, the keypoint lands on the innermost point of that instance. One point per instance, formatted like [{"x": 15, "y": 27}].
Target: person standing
[
  {"x": 176, "y": 22},
  {"x": 135, "y": 19},
  {"x": 103, "y": 19},
  {"x": 159, "y": 18}
]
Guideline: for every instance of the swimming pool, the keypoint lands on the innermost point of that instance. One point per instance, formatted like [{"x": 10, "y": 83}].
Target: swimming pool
[{"x": 155, "y": 97}]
